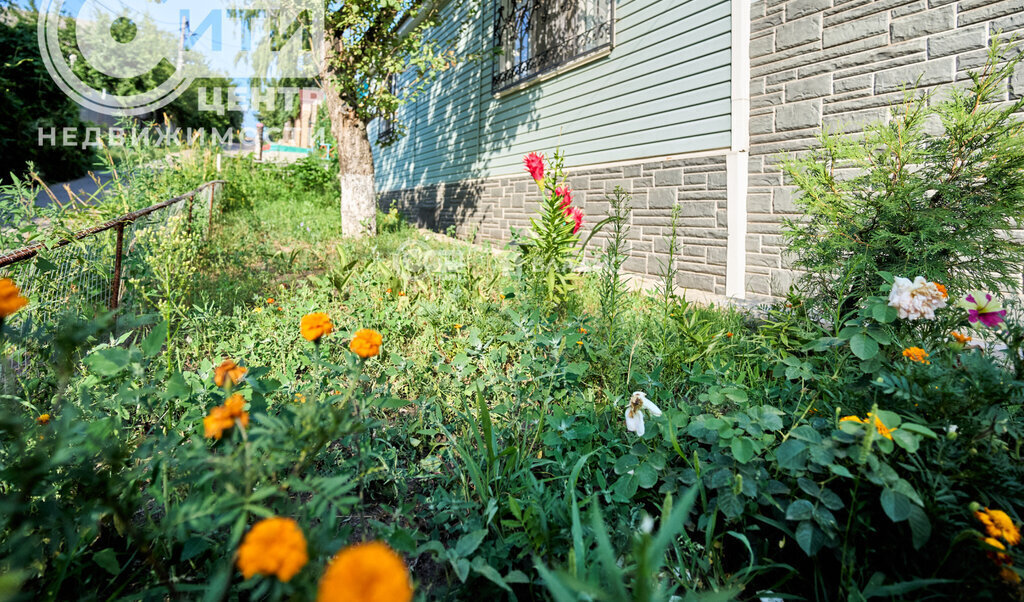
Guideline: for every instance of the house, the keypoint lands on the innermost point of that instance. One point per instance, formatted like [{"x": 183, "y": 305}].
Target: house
[{"x": 688, "y": 102}]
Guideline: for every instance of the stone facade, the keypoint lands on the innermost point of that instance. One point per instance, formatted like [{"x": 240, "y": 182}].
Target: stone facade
[
  {"x": 837, "y": 64},
  {"x": 840, "y": 64},
  {"x": 488, "y": 209}
]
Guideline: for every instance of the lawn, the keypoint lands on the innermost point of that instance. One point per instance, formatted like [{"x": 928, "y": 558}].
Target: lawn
[{"x": 511, "y": 434}]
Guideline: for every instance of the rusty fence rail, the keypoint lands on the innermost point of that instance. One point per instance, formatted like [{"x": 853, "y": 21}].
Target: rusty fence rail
[{"x": 88, "y": 268}]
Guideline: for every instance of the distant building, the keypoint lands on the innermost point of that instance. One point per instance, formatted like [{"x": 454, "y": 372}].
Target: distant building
[{"x": 299, "y": 131}]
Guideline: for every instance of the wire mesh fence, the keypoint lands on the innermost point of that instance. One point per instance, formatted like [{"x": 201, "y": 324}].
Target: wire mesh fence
[{"x": 110, "y": 266}]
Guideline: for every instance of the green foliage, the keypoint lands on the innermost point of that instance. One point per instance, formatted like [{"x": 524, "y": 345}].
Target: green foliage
[
  {"x": 31, "y": 102},
  {"x": 910, "y": 200},
  {"x": 487, "y": 442}
]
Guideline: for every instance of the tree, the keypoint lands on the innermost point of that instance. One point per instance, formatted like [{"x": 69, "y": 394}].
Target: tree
[
  {"x": 32, "y": 103},
  {"x": 367, "y": 43}
]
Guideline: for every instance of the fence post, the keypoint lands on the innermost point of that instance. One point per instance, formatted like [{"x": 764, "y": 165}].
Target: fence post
[
  {"x": 115, "y": 285},
  {"x": 209, "y": 228}
]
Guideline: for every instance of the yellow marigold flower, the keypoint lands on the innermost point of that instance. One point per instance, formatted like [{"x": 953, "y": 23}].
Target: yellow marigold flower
[
  {"x": 258, "y": 309},
  {"x": 995, "y": 543},
  {"x": 998, "y": 524},
  {"x": 458, "y": 327},
  {"x": 315, "y": 325},
  {"x": 223, "y": 417},
  {"x": 300, "y": 398},
  {"x": 583, "y": 330},
  {"x": 43, "y": 419},
  {"x": 1009, "y": 575},
  {"x": 228, "y": 370},
  {"x": 10, "y": 298},
  {"x": 274, "y": 546},
  {"x": 365, "y": 572},
  {"x": 963, "y": 339},
  {"x": 881, "y": 428},
  {"x": 366, "y": 343},
  {"x": 879, "y": 425},
  {"x": 916, "y": 354}
]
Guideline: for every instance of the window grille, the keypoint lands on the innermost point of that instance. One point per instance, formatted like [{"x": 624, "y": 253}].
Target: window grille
[{"x": 538, "y": 36}]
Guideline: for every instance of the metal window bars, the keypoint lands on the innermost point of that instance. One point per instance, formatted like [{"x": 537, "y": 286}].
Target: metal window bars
[
  {"x": 88, "y": 269},
  {"x": 539, "y": 36}
]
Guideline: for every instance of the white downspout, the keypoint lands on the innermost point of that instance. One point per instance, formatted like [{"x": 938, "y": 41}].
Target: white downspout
[{"x": 737, "y": 158}]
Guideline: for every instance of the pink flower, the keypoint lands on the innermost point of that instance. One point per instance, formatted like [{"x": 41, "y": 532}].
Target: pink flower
[
  {"x": 535, "y": 165},
  {"x": 574, "y": 214},
  {"x": 565, "y": 194},
  {"x": 981, "y": 307}
]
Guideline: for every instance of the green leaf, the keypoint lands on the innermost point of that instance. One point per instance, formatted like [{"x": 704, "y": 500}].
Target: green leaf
[
  {"x": 469, "y": 542},
  {"x": 730, "y": 504},
  {"x": 896, "y": 505},
  {"x": 792, "y": 454},
  {"x": 883, "y": 313},
  {"x": 809, "y": 537},
  {"x": 906, "y": 440},
  {"x": 107, "y": 559},
  {"x": 920, "y": 527},
  {"x": 109, "y": 361},
  {"x": 646, "y": 475},
  {"x": 742, "y": 449},
  {"x": 480, "y": 566},
  {"x": 863, "y": 346},
  {"x": 800, "y": 510},
  {"x": 155, "y": 340}
]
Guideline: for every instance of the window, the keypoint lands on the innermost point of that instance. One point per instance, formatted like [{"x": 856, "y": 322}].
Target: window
[{"x": 540, "y": 36}]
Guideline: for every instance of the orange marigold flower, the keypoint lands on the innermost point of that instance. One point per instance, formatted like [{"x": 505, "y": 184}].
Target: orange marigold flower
[
  {"x": 728, "y": 334},
  {"x": 916, "y": 354},
  {"x": 274, "y": 546},
  {"x": 365, "y": 572},
  {"x": 10, "y": 298},
  {"x": 223, "y": 417},
  {"x": 315, "y": 325},
  {"x": 270, "y": 301},
  {"x": 43, "y": 419},
  {"x": 963, "y": 339},
  {"x": 228, "y": 370},
  {"x": 366, "y": 343},
  {"x": 1009, "y": 575},
  {"x": 942, "y": 289}
]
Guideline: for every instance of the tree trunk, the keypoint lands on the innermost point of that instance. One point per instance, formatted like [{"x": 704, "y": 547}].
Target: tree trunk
[{"x": 355, "y": 162}]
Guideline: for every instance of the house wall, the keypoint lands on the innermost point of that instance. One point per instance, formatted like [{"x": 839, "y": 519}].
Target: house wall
[
  {"x": 840, "y": 64},
  {"x": 807, "y": 64},
  {"x": 663, "y": 90},
  {"x": 653, "y": 117}
]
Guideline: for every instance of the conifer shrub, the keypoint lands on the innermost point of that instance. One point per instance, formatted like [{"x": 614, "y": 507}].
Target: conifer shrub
[{"x": 940, "y": 204}]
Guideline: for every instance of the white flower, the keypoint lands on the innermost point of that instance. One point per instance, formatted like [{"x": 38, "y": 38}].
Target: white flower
[
  {"x": 647, "y": 524},
  {"x": 951, "y": 429},
  {"x": 917, "y": 299},
  {"x": 638, "y": 402}
]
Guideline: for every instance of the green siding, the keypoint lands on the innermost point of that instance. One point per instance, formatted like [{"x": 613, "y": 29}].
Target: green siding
[{"x": 663, "y": 90}]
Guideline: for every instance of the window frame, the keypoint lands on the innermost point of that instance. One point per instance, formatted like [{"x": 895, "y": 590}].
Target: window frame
[{"x": 510, "y": 77}]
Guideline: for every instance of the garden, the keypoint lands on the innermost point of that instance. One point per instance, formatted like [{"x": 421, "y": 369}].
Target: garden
[{"x": 286, "y": 414}]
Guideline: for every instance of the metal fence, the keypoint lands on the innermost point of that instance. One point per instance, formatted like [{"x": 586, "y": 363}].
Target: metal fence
[{"x": 89, "y": 268}]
